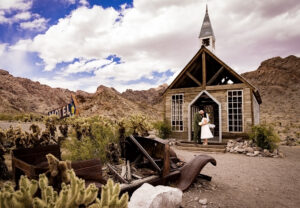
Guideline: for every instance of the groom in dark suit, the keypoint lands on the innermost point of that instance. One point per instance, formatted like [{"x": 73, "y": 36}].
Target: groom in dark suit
[{"x": 197, "y": 128}]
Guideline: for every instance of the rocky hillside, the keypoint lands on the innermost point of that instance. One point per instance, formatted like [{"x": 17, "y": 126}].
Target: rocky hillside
[
  {"x": 18, "y": 95},
  {"x": 152, "y": 96},
  {"x": 23, "y": 95},
  {"x": 109, "y": 102},
  {"x": 278, "y": 80}
]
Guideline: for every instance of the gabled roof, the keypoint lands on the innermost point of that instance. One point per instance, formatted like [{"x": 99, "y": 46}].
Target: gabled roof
[
  {"x": 206, "y": 29},
  {"x": 198, "y": 55}
]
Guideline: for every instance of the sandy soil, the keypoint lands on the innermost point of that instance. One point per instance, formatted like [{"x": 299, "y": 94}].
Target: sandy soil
[
  {"x": 23, "y": 125},
  {"x": 241, "y": 181}
]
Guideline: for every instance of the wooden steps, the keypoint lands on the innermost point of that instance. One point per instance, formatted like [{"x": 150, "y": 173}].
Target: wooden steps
[{"x": 192, "y": 146}]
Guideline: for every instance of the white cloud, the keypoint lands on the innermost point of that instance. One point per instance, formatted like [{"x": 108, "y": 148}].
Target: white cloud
[
  {"x": 2, "y": 48},
  {"x": 38, "y": 24},
  {"x": 16, "y": 62},
  {"x": 85, "y": 66},
  {"x": 23, "y": 16},
  {"x": 15, "y": 4},
  {"x": 25, "y": 19},
  {"x": 162, "y": 34},
  {"x": 84, "y": 2}
]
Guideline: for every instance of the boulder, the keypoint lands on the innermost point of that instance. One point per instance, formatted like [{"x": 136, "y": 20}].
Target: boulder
[
  {"x": 148, "y": 196},
  {"x": 256, "y": 153},
  {"x": 239, "y": 150},
  {"x": 203, "y": 201},
  {"x": 281, "y": 155},
  {"x": 240, "y": 139},
  {"x": 250, "y": 154},
  {"x": 266, "y": 153},
  {"x": 249, "y": 149}
]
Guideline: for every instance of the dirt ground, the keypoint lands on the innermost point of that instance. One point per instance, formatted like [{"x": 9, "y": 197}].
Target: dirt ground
[{"x": 241, "y": 181}]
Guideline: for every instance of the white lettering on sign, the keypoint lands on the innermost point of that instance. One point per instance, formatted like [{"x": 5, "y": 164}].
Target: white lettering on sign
[{"x": 64, "y": 111}]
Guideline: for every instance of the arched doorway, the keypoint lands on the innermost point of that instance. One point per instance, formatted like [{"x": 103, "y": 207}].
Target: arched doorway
[{"x": 212, "y": 106}]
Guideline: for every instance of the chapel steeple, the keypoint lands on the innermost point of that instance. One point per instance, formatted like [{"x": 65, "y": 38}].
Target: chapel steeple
[{"x": 207, "y": 36}]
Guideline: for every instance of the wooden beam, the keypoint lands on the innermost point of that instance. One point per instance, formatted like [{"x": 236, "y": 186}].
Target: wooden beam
[
  {"x": 185, "y": 68},
  {"x": 214, "y": 87},
  {"x": 252, "y": 113},
  {"x": 215, "y": 76},
  {"x": 203, "y": 71},
  {"x": 227, "y": 86},
  {"x": 229, "y": 69},
  {"x": 128, "y": 172},
  {"x": 193, "y": 78},
  {"x": 115, "y": 173},
  {"x": 145, "y": 153}
]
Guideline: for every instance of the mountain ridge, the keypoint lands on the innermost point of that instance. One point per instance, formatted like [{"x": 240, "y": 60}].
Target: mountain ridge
[{"x": 277, "y": 78}]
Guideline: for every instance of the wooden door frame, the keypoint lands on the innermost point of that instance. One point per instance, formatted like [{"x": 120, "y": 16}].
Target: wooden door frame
[{"x": 190, "y": 114}]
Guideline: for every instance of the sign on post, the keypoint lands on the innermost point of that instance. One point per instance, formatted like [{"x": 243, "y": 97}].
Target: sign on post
[{"x": 70, "y": 109}]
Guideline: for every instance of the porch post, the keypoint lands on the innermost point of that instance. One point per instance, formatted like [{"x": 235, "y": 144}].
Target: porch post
[{"x": 220, "y": 123}]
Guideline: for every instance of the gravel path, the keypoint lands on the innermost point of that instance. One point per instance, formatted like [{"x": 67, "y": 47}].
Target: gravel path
[{"x": 241, "y": 181}]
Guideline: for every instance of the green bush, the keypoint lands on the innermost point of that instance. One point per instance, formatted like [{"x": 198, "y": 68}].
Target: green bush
[
  {"x": 92, "y": 143},
  {"x": 163, "y": 128},
  {"x": 264, "y": 136},
  {"x": 24, "y": 117}
]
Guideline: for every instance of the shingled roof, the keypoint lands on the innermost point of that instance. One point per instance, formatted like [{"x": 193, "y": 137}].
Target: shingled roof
[{"x": 206, "y": 29}]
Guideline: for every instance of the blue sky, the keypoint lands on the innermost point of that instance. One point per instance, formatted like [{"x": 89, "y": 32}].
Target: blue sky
[{"x": 81, "y": 44}]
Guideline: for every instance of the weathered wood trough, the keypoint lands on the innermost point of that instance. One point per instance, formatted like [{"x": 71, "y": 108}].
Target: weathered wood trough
[
  {"x": 33, "y": 161},
  {"x": 147, "y": 161}
]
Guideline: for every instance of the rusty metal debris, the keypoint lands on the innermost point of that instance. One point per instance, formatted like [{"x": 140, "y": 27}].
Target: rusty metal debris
[
  {"x": 154, "y": 162},
  {"x": 144, "y": 160},
  {"x": 33, "y": 161}
]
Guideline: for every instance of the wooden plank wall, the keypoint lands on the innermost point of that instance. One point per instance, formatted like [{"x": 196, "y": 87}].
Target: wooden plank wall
[{"x": 219, "y": 93}]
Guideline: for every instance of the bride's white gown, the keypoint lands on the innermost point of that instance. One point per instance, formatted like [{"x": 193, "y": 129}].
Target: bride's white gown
[{"x": 205, "y": 131}]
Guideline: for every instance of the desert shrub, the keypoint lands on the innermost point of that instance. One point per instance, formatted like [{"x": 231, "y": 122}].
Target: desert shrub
[
  {"x": 137, "y": 124},
  {"x": 93, "y": 143},
  {"x": 6, "y": 117},
  {"x": 24, "y": 117},
  {"x": 264, "y": 136},
  {"x": 163, "y": 128}
]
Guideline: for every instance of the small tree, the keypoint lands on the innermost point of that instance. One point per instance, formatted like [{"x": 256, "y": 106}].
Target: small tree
[{"x": 265, "y": 137}]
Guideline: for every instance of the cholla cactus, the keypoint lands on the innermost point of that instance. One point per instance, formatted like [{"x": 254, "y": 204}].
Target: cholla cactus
[
  {"x": 73, "y": 195},
  {"x": 58, "y": 171},
  {"x": 110, "y": 197},
  {"x": 2, "y": 136},
  {"x": 21, "y": 139},
  {"x": 22, "y": 198},
  {"x": 64, "y": 129},
  {"x": 35, "y": 129},
  {"x": 139, "y": 124},
  {"x": 50, "y": 123}
]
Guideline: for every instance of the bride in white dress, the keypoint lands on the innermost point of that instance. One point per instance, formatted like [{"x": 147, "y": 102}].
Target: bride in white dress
[{"x": 205, "y": 131}]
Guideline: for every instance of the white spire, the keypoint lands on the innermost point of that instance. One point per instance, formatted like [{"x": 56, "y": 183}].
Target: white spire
[{"x": 206, "y": 35}]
